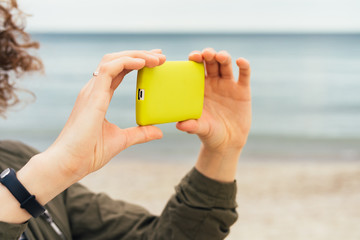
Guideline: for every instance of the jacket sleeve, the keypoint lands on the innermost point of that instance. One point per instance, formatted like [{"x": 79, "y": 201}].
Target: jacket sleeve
[
  {"x": 15, "y": 155},
  {"x": 201, "y": 208},
  {"x": 11, "y": 231}
]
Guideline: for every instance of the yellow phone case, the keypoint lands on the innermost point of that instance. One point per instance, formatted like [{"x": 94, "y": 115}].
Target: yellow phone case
[{"x": 171, "y": 92}]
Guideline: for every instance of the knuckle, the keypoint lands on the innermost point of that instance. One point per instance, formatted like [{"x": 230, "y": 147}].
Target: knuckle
[
  {"x": 107, "y": 57},
  {"x": 195, "y": 52},
  {"x": 224, "y": 52},
  {"x": 209, "y": 49},
  {"x": 125, "y": 59},
  {"x": 146, "y": 134},
  {"x": 128, "y": 53},
  {"x": 103, "y": 68},
  {"x": 146, "y": 52}
]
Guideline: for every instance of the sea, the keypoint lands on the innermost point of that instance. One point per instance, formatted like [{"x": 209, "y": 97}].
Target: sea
[{"x": 305, "y": 92}]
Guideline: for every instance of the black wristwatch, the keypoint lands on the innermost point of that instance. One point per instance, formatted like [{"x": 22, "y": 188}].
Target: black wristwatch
[{"x": 27, "y": 201}]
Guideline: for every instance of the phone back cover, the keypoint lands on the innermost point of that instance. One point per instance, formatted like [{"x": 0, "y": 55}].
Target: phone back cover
[{"x": 171, "y": 92}]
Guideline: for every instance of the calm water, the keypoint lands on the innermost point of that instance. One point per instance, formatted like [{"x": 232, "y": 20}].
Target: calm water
[{"x": 306, "y": 101}]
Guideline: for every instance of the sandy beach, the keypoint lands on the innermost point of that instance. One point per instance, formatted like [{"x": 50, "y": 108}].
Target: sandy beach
[{"x": 277, "y": 200}]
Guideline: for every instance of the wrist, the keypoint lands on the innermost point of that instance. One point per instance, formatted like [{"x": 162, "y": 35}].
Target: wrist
[
  {"x": 41, "y": 177},
  {"x": 27, "y": 201},
  {"x": 220, "y": 165},
  {"x": 224, "y": 152},
  {"x": 44, "y": 171},
  {"x": 66, "y": 166}
]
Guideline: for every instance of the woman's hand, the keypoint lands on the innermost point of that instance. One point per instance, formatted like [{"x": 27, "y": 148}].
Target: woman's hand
[
  {"x": 225, "y": 122},
  {"x": 88, "y": 141}
]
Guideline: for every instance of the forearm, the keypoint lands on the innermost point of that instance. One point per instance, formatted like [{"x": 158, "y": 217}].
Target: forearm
[
  {"x": 218, "y": 165},
  {"x": 41, "y": 178}
]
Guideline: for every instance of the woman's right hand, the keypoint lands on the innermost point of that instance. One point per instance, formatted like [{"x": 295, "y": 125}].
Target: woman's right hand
[{"x": 88, "y": 141}]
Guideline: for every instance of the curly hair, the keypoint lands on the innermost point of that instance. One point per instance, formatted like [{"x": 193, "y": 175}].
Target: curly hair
[{"x": 14, "y": 58}]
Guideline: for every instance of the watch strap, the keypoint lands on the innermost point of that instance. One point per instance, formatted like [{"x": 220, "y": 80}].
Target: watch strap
[{"x": 27, "y": 201}]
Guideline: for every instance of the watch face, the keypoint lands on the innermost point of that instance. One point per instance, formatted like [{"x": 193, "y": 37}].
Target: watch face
[{"x": 5, "y": 173}]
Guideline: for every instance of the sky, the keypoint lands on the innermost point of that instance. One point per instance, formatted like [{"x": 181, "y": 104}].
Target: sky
[{"x": 192, "y": 15}]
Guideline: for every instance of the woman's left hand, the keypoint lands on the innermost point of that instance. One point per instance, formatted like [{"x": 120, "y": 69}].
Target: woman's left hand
[{"x": 225, "y": 122}]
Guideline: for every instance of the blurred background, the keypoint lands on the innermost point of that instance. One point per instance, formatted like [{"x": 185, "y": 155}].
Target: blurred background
[{"x": 299, "y": 174}]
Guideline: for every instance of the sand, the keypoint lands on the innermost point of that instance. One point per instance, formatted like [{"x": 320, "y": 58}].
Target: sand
[{"x": 277, "y": 200}]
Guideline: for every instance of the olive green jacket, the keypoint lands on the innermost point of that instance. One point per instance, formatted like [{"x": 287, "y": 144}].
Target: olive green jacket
[{"x": 201, "y": 208}]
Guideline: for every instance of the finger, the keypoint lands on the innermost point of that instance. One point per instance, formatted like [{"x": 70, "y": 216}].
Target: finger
[
  {"x": 193, "y": 127},
  {"x": 116, "y": 81},
  {"x": 211, "y": 65},
  {"x": 129, "y": 53},
  {"x": 152, "y": 58},
  {"x": 162, "y": 58},
  {"x": 224, "y": 60},
  {"x": 148, "y": 63},
  {"x": 156, "y": 51},
  {"x": 110, "y": 70},
  {"x": 244, "y": 71},
  {"x": 196, "y": 56},
  {"x": 141, "y": 134}
]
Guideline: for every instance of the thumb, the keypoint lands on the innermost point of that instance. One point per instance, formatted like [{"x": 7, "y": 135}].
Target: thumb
[
  {"x": 193, "y": 127},
  {"x": 142, "y": 134}
]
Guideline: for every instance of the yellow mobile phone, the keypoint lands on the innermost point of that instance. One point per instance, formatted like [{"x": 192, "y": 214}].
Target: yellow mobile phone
[{"x": 171, "y": 92}]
